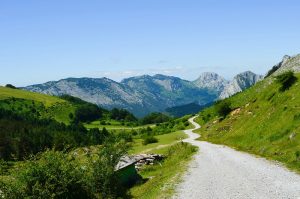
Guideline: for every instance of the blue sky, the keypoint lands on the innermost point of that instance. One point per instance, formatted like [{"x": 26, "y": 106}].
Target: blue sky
[{"x": 54, "y": 39}]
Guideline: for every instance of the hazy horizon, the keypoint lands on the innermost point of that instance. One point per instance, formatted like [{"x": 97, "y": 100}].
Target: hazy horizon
[{"x": 51, "y": 40}]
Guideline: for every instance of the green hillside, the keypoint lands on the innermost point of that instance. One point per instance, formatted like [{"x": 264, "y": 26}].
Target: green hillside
[
  {"x": 47, "y": 100},
  {"x": 264, "y": 121},
  {"x": 35, "y": 104}
]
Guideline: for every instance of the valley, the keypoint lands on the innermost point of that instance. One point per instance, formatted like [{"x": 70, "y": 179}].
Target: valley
[
  {"x": 39, "y": 132},
  {"x": 149, "y": 99}
]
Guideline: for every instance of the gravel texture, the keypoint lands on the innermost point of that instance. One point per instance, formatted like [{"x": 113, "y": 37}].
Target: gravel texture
[{"x": 221, "y": 172}]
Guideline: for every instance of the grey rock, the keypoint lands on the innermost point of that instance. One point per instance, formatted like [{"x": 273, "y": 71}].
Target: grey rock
[{"x": 287, "y": 64}]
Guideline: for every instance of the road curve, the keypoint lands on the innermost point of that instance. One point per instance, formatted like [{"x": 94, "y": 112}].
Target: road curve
[{"x": 219, "y": 172}]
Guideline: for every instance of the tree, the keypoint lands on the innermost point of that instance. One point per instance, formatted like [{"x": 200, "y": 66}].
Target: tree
[
  {"x": 88, "y": 113},
  {"x": 122, "y": 114},
  {"x": 155, "y": 118},
  {"x": 10, "y": 86}
]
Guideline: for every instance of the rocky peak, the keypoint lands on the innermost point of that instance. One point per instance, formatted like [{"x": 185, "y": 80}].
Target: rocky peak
[
  {"x": 287, "y": 64},
  {"x": 211, "y": 81},
  {"x": 285, "y": 59}
]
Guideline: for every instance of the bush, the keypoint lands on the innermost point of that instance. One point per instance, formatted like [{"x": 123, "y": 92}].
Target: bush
[
  {"x": 104, "y": 180},
  {"x": 286, "y": 80},
  {"x": 10, "y": 86},
  {"x": 126, "y": 136},
  {"x": 103, "y": 122},
  {"x": 223, "y": 108},
  {"x": 49, "y": 175},
  {"x": 55, "y": 174},
  {"x": 149, "y": 140}
]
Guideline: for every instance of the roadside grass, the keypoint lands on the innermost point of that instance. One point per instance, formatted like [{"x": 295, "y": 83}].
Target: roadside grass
[
  {"x": 163, "y": 141},
  {"x": 267, "y": 123},
  {"x": 161, "y": 179}
]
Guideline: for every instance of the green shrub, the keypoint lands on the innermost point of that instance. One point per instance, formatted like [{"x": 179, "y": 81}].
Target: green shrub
[
  {"x": 286, "y": 80},
  {"x": 49, "y": 175},
  {"x": 104, "y": 180},
  {"x": 126, "y": 136},
  {"x": 54, "y": 174},
  {"x": 149, "y": 140},
  {"x": 103, "y": 122},
  {"x": 10, "y": 86},
  {"x": 223, "y": 108}
]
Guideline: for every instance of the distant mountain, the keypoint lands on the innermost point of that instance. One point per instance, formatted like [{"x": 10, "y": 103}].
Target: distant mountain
[
  {"x": 192, "y": 108},
  {"x": 141, "y": 94},
  {"x": 239, "y": 83},
  {"x": 212, "y": 82},
  {"x": 162, "y": 91}
]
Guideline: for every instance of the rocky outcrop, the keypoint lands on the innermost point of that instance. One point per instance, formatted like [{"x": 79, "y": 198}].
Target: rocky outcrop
[{"x": 287, "y": 64}]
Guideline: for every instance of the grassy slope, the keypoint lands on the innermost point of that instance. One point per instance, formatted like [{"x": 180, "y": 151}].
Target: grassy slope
[
  {"x": 268, "y": 123},
  {"x": 22, "y": 94},
  {"x": 47, "y": 106}
]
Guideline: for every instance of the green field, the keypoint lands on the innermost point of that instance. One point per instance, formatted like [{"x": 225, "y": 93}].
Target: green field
[
  {"x": 114, "y": 125},
  {"x": 163, "y": 141},
  {"x": 265, "y": 122}
]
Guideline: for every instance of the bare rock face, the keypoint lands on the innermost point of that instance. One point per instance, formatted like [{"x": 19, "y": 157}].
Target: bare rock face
[
  {"x": 287, "y": 64},
  {"x": 239, "y": 83}
]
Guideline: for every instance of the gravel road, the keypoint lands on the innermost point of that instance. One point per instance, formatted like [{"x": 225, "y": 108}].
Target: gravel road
[{"x": 221, "y": 172}]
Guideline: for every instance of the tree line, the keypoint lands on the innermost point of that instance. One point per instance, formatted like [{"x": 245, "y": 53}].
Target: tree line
[{"x": 22, "y": 135}]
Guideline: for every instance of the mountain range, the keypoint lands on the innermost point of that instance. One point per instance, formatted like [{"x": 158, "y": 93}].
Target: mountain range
[{"x": 144, "y": 94}]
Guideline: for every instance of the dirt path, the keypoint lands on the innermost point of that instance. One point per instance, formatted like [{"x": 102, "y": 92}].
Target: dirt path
[{"x": 221, "y": 172}]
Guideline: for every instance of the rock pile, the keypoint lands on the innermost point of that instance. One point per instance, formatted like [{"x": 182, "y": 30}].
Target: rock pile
[{"x": 146, "y": 159}]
